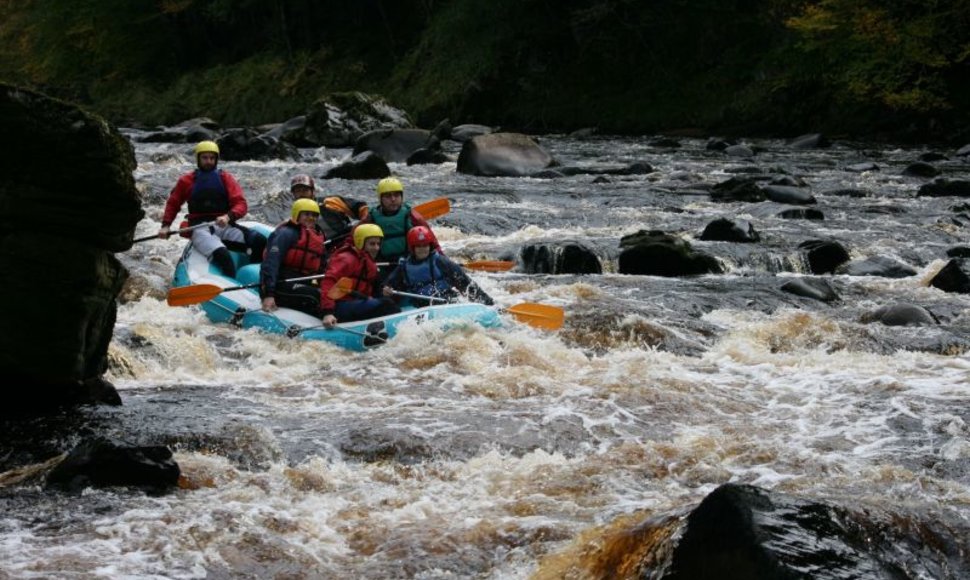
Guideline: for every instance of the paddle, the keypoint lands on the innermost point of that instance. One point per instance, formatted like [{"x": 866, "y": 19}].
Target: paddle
[
  {"x": 480, "y": 265},
  {"x": 170, "y": 234},
  {"x": 540, "y": 316},
  {"x": 187, "y": 295}
]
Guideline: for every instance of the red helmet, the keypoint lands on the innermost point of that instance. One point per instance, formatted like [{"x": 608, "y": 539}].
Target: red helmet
[
  {"x": 302, "y": 179},
  {"x": 420, "y": 236}
]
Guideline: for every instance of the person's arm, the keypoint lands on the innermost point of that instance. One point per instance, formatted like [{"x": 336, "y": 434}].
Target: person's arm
[
  {"x": 278, "y": 244},
  {"x": 178, "y": 196},
  {"x": 237, "y": 199}
]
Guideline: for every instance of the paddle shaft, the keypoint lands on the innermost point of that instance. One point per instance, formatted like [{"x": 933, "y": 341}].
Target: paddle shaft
[{"x": 180, "y": 231}]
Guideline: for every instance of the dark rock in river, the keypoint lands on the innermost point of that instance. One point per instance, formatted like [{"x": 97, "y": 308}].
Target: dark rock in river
[
  {"x": 465, "y": 132},
  {"x": 862, "y": 167},
  {"x": 921, "y": 169},
  {"x": 941, "y": 187},
  {"x": 958, "y": 252},
  {"x": 503, "y": 154},
  {"x": 901, "y": 314},
  {"x": 877, "y": 266},
  {"x": 789, "y": 195},
  {"x": 247, "y": 144},
  {"x": 770, "y": 209},
  {"x": 293, "y": 131},
  {"x": 656, "y": 253},
  {"x": 824, "y": 256},
  {"x": 339, "y": 119},
  {"x": 737, "y": 189},
  {"x": 393, "y": 145},
  {"x": 741, "y": 532},
  {"x": 560, "y": 258},
  {"x": 367, "y": 165},
  {"x": 430, "y": 155},
  {"x": 725, "y": 230},
  {"x": 54, "y": 342},
  {"x": 848, "y": 192},
  {"x": 954, "y": 277},
  {"x": 104, "y": 463},
  {"x": 816, "y": 288}
]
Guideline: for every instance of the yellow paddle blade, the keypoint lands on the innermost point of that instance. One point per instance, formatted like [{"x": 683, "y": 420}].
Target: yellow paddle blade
[
  {"x": 343, "y": 287},
  {"x": 538, "y": 315},
  {"x": 187, "y": 295},
  {"x": 434, "y": 208},
  {"x": 489, "y": 265}
]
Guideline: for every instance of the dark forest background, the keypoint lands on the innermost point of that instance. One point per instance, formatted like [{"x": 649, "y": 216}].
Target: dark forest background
[{"x": 879, "y": 69}]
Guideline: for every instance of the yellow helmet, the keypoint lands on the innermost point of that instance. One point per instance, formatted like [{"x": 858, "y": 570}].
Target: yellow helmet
[
  {"x": 302, "y": 205},
  {"x": 364, "y": 231},
  {"x": 388, "y": 185},
  {"x": 206, "y": 147}
]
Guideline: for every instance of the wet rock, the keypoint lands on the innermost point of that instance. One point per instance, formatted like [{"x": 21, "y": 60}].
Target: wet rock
[
  {"x": 393, "y": 145},
  {"x": 809, "y": 141},
  {"x": 932, "y": 156},
  {"x": 292, "y": 131},
  {"x": 737, "y": 189},
  {"x": 726, "y": 230},
  {"x": 601, "y": 179},
  {"x": 789, "y": 195},
  {"x": 247, "y": 144},
  {"x": 777, "y": 210},
  {"x": 548, "y": 174},
  {"x": 877, "y": 266},
  {"x": 664, "y": 142},
  {"x": 190, "y": 131},
  {"x": 921, "y": 169},
  {"x": 560, "y": 258},
  {"x": 377, "y": 444},
  {"x": 824, "y": 256},
  {"x": 656, "y": 253},
  {"x": 901, "y": 314},
  {"x": 468, "y": 131},
  {"x": 739, "y": 151},
  {"x": 741, "y": 532},
  {"x": 716, "y": 144},
  {"x": 862, "y": 167},
  {"x": 942, "y": 187},
  {"x": 816, "y": 288},
  {"x": 848, "y": 192},
  {"x": 105, "y": 463},
  {"x": 428, "y": 156},
  {"x": 367, "y": 165},
  {"x": 963, "y": 151},
  {"x": 339, "y": 119},
  {"x": 503, "y": 154},
  {"x": 954, "y": 277},
  {"x": 53, "y": 356},
  {"x": 789, "y": 180},
  {"x": 584, "y": 133},
  {"x": 958, "y": 252}
]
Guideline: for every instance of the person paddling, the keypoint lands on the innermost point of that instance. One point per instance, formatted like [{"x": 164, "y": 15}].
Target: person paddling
[
  {"x": 214, "y": 196},
  {"x": 295, "y": 249},
  {"x": 427, "y": 272},
  {"x": 337, "y": 213},
  {"x": 356, "y": 262},
  {"x": 395, "y": 219}
]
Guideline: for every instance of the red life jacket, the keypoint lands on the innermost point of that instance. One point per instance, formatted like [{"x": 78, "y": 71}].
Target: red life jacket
[{"x": 306, "y": 256}]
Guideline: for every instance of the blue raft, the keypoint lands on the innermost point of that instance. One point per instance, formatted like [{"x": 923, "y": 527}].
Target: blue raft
[{"x": 242, "y": 307}]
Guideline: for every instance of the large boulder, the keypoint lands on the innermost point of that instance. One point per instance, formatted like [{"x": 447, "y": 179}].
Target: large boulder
[
  {"x": 503, "y": 154},
  {"x": 102, "y": 462},
  {"x": 367, "y": 165},
  {"x": 656, "y": 253},
  {"x": 943, "y": 187},
  {"x": 954, "y": 277},
  {"x": 339, "y": 119},
  {"x": 246, "y": 144},
  {"x": 824, "y": 256},
  {"x": 568, "y": 257},
  {"x": 67, "y": 203},
  {"x": 393, "y": 145}
]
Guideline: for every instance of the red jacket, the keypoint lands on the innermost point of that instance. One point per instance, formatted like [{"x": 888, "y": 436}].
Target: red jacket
[
  {"x": 349, "y": 262},
  {"x": 183, "y": 190}
]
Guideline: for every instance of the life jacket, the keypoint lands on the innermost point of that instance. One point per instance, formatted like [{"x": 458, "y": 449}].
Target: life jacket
[
  {"x": 335, "y": 216},
  {"x": 307, "y": 254},
  {"x": 209, "y": 198},
  {"x": 365, "y": 274},
  {"x": 395, "y": 227},
  {"x": 425, "y": 277}
]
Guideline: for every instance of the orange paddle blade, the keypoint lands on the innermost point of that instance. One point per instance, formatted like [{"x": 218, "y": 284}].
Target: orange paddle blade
[
  {"x": 343, "y": 287},
  {"x": 489, "y": 265},
  {"x": 434, "y": 208},
  {"x": 538, "y": 315},
  {"x": 187, "y": 295}
]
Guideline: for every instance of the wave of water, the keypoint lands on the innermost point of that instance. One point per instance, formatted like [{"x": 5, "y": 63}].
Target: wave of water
[{"x": 497, "y": 453}]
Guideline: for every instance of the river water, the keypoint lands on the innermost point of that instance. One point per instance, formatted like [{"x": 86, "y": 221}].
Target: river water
[{"x": 509, "y": 452}]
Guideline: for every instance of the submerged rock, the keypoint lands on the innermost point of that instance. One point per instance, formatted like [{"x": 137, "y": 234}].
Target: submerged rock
[
  {"x": 816, "y": 288},
  {"x": 656, "y": 253},
  {"x": 503, "y": 154},
  {"x": 104, "y": 463}
]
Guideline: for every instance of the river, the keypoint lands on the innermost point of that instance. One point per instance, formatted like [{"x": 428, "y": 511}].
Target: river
[{"x": 503, "y": 453}]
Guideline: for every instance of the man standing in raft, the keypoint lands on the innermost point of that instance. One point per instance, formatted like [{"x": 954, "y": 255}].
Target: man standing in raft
[{"x": 213, "y": 196}]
